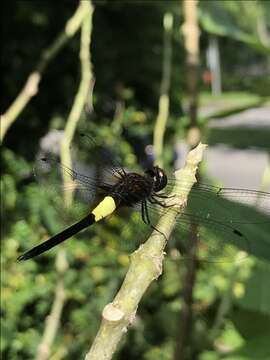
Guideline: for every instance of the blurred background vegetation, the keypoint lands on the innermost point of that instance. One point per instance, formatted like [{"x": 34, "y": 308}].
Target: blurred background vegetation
[{"x": 231, "y": 311}]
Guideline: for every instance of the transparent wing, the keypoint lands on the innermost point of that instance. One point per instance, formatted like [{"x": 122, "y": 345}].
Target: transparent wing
[
  {"x": 92, "y": 165},
  {"x": 228, "y": 205},
  {"x": 217, "y": 241},
  {"x": 225, "y": 218},
  {"x": 96, "y": 167},
  {"x": 48, "y": 171}
]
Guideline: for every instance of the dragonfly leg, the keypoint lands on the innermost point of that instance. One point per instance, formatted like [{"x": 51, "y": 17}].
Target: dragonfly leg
[
  {"x": 153, "y": 200},
  {"x": 121, "y": 172},
  {"x": 143, "y": 211},
  {"x": 147, "y": 213},
  {"x": 144, "y": 204},
  {"x": 218, "y": 193},
  {"x": 165, "y": 196}
]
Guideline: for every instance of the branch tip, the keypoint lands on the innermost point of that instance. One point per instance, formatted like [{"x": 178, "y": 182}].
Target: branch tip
[{"x": 111, "y": 313}]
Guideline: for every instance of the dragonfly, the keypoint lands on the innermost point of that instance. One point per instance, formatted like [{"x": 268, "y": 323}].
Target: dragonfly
[{"x": 220, "y": 222}]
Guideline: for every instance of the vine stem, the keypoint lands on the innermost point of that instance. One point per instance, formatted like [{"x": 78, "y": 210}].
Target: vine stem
[
  {"x": 31, "y": 86},
  {"x": 81, "y": 98}
]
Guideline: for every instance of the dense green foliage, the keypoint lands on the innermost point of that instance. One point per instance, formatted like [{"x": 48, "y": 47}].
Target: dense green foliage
[{"x": 126, "y": 50}]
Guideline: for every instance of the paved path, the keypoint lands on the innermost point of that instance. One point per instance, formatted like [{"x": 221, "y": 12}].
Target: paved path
[
  {"x": 235, "y": 167},
  {"x": 252, "y": 118}
]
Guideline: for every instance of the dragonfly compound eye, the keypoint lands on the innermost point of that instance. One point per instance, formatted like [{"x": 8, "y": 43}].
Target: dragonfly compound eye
[
  {"x": 159, "y": 176},
  {"x": 161, "y": 179}
]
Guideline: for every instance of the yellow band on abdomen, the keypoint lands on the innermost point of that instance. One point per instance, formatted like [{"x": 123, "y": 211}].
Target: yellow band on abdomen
[{"x": 104, "y": 208}]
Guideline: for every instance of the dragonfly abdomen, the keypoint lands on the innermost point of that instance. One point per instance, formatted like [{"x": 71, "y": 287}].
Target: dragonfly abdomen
[
  {"x": 58, "y": 238},
  {"x": 103, "y": 209}
]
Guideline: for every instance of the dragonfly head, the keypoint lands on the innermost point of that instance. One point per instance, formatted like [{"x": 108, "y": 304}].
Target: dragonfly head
[{"x": 159, "y": 177}]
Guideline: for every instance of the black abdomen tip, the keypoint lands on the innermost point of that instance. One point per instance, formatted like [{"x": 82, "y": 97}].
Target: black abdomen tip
[{"x": 23, "y": 257}]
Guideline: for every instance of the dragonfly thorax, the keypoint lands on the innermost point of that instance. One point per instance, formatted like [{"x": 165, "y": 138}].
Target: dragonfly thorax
[{"x": 133, "y": 188}]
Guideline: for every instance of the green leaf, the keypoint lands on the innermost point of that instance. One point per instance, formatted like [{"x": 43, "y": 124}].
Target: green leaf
[
  {"x": 251, "y": 324},
  {"x": 256, "y": 348},
  {"x": 222, "y": 18}
]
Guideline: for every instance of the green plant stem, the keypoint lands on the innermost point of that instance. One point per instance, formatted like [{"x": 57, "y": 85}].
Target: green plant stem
[
  {"x": 163, "y": 106},
  {"x": 145, "y": 266},
  {"x": 53, "y": 319},
  {"x": 81, "y": 98}
]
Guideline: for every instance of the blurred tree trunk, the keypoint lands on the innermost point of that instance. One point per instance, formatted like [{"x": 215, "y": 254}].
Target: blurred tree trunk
[{"x": 191, "y": 34}]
